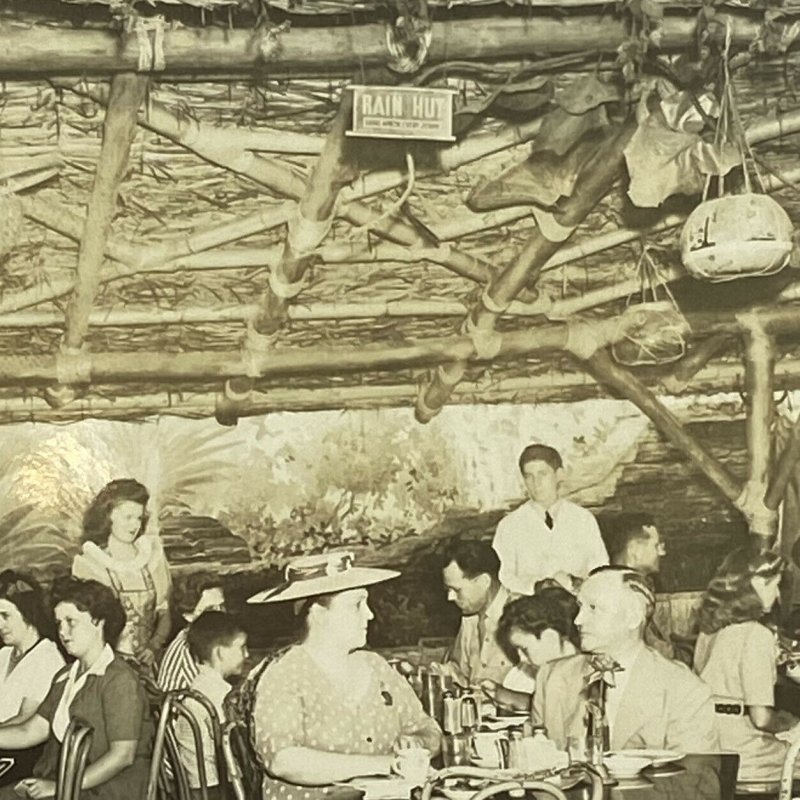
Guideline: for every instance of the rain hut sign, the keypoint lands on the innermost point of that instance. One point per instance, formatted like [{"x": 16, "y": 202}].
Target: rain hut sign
[{"x": 402, "y": 112}]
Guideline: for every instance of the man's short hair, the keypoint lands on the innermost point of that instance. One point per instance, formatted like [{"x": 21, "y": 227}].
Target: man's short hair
[
  {"x": 619, "y": 530},
  {"x": 638, "y": 583},
  {"x": 540, "y": 452},
  {"x": 473, "y": 557},
  {"x": 211, "y": 629}
]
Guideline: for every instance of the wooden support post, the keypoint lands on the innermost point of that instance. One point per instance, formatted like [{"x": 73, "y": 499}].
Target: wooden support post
[
  {"x": 759, "y": 364},
  {"x": 625, "y": 384},
  {"x": 127, "y": 93},
  {"x": 592, "y": 185}
]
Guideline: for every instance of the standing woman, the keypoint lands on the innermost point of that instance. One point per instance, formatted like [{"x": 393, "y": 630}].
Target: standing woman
[
  {"x": 29, "y": 660},
  {"x": 736, "y": 655},
  {"x": 98, "y": 688},
  {"x": 327, "y": 710},
  {"x": 117, "y": 554}
]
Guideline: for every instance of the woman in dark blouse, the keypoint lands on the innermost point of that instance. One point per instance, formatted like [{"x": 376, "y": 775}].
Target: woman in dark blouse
[{"x": 100, "y": 689}]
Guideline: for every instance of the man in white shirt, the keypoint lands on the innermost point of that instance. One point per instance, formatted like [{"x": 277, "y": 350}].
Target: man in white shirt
[
  {"x": 470, "y": 576},
  {"x": 650, "y": 701},
  {"x": 548, "y": 536}
]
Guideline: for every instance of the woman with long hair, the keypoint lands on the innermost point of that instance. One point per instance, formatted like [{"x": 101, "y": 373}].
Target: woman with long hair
[
  {"x": 117, "y": 553},
  {"x": 533, "y": 630},
  {"x": 98, "y": 688},
  {"x": 736, "y": 654},
  {"x": 29, "y": 660},
  {"x": 342, "y": 712}
]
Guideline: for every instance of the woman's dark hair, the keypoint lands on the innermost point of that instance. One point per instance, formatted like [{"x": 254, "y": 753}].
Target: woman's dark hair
[
  {"x": 26, "y": 594},
  {"x": 552, "y": 607},
  {"x": 97, "y": 519},
  {"x": 97, "y": 600},
  {"x": 730, "y": 597},
  {"x": 186, "y": 595},
  {"x": 303, "y": 607}
]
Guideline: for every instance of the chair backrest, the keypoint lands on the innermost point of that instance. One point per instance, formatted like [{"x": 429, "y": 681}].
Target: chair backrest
[
  {"x": 243, "y": 774},
  {"x": 72, "y": 760},
  {"x": 168, "y": 779}
]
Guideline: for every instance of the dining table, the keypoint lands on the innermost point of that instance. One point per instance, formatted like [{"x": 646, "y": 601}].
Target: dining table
[{"x": 695, "y": 777}]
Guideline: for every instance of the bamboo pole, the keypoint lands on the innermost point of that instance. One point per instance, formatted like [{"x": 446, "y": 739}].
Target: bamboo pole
[
  {"x": 119, "y": 128},
  {"x": 306, "y": 231},
  {"x": 214, "y": 148},
  {"x": 41, "y": 50},
  {"x": 680, "y": 377},
  {"x": 759, "y": 363},
  {"x": 621, "y": 381},
  {"x": 211, "y": 365},
  {"x": 594, "y": 182}
]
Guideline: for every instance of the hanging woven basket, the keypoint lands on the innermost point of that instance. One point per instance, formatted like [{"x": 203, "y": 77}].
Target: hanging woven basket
[{"x": 736, "y": 236}]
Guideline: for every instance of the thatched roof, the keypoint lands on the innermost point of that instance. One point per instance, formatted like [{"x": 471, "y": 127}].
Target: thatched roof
[{"x": 216, "y": 167}]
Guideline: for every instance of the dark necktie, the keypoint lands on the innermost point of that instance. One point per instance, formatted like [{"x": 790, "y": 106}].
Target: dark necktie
[{"x": 548, "y": 520}]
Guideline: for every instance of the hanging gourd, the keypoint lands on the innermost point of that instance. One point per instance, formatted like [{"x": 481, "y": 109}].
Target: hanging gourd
[
  {"x": 655, "y": 329},
  {"x": 736, "y": 235}
]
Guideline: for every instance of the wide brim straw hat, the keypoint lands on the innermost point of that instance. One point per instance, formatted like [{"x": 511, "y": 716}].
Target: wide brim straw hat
[{"x": 322, "y": 574}]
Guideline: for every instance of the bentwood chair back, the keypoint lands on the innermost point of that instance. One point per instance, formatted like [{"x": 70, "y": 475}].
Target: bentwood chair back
[
  {"x": 167, "y": 770},
  {"x": 242, "y": 773},
  {"x": 72, "y": 760}
]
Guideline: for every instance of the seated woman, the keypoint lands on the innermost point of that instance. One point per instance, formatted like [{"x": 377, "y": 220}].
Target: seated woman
[
  {"x": 117, "y": 553},
  {"x": 533, "y": 630},
  {"x": 327, "y": 710},
  {"x": 98, "y": 688},
  {"x": 736, "y": 655},
  {"x": 29, "y": 660}
]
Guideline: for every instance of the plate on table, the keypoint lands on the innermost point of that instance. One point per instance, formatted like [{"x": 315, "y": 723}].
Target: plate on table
[
  {"x": 622, "y": 766},
  {"x": 657, "y": 758},
  {"x": 386, "y": 787}
]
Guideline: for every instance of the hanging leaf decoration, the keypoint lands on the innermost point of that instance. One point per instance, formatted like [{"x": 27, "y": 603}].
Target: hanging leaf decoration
[{"x": 662, "y": 162}]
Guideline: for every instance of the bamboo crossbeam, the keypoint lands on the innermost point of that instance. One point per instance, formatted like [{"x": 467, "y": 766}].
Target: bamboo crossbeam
[
  {"x": 595, "y": 181},
  {"x": 622, "y": 382},
  {"x": 276, "y": 176},
  {"x": 548, "y": 387},
  {"x": 119, "y": 129},
  {"x": 100, "y": 367},
  {"x": 319, "y": 50}
]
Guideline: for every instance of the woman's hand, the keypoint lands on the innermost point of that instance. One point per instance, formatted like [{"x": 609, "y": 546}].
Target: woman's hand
[
  {"x": 790, "y": 735},
  {"x": 36, "y": 788},
  {"x": 490, "y": 688},
  {"x": 146, "y": 657}
]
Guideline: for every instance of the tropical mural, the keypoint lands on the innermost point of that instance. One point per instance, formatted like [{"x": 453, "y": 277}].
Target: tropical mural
[{"x": 295, "y": 483}]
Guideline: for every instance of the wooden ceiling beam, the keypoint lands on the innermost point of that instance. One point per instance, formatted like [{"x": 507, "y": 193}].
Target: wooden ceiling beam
[
  {"x": 594, "y": 182},
  {"x": 53, "y": 51}
]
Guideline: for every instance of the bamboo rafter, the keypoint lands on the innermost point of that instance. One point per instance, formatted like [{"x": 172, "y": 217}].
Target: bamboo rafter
[{"x": 525, "y": 269}]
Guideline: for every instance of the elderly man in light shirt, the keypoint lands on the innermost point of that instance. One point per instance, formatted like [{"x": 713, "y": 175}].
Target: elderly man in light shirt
[
  {"x": 548, "y": 536},
  {"x": 650, "y": 701},
  {"x": 470, "y": 576}
]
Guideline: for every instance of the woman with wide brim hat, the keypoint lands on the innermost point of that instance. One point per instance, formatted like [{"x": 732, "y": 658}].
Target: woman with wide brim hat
[{"x": 327, "y": 710}]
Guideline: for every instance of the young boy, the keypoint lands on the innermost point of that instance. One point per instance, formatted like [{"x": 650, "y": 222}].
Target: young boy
[{"x": 219, "y": 646}]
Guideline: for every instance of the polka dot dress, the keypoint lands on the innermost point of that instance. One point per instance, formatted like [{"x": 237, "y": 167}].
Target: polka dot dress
[{"x": 298, "y": 706}]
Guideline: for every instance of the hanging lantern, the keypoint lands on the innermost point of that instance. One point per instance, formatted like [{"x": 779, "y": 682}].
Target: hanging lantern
[{"x": 736, "y": 236}]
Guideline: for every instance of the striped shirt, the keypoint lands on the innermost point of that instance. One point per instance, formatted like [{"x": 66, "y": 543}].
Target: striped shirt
[{"x": 178, "y": 669}]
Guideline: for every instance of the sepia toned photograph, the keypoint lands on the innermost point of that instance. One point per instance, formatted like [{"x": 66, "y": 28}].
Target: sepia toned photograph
[{"x": 400, "y": 400}]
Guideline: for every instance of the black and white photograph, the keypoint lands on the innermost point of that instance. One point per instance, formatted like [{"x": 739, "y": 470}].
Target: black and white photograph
[{"x": 399, "y": 400}]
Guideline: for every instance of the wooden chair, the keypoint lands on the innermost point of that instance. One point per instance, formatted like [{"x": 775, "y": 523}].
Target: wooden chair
[{"x": 72, "y": 760}]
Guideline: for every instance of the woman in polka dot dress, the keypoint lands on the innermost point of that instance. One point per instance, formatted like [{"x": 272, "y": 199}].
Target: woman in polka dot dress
[{"x": 327, "y": 710}]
